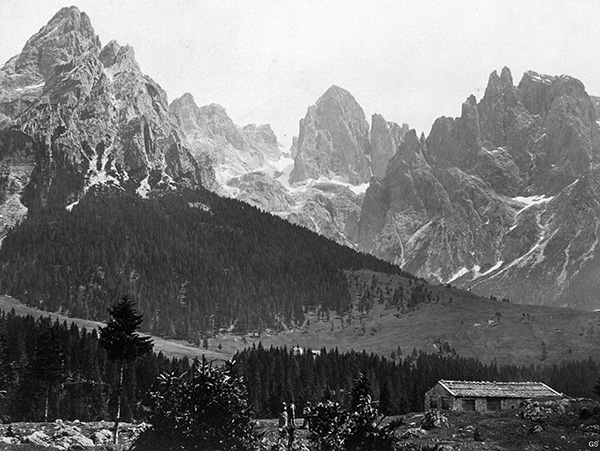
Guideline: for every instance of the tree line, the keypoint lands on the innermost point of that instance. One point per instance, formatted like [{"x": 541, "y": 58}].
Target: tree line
[
  {"x": 280, "y": 374},
  {"x": 52, "y": 370}
]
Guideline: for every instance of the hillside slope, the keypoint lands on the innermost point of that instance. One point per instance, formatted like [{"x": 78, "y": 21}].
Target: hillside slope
[
  {"x": 195, "y": 262},
  {"x": 454, "y": 320}
]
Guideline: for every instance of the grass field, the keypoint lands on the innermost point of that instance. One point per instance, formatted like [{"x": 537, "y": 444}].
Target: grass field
[
  {"x": 520, "y": 334},
  {"x": 477, "y": 327}
]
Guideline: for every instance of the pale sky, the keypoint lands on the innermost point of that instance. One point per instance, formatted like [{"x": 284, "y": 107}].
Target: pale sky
[{"x": 266, "y": 61}]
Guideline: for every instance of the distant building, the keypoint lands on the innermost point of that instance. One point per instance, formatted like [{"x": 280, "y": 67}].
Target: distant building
[
  {"x": 485, "y": 396},
  {"x": 297, "y": 350}
]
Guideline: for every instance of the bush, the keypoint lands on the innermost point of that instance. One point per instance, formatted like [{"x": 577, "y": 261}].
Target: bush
[
  {"x": 335, "y": 429},
  {"x": 205, "y": 411},
  {"x": 329, "y": 426}
]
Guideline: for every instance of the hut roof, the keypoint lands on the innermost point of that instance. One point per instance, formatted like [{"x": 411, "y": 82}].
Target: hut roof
[{"x": 486, "y": 389}]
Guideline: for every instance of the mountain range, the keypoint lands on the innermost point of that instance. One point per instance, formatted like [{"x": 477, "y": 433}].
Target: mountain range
[{"x": 502, "y": 200}]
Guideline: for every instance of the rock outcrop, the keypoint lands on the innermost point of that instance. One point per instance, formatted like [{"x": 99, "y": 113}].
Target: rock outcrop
[{"x": 77, "y": 115}]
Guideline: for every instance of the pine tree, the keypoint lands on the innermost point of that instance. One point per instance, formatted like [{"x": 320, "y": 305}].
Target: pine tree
[
  {"x": 47, "y": 364},
  {"x": 597, "y": 389},
  {"x": 123, "y": 344},
  {"x": 360, "y": 390}
]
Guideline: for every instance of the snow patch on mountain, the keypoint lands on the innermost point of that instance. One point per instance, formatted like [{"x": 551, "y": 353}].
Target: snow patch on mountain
[
  {"x": 30, "y": 87},
  {"x": 461, "y": 272},
  {"x": 477, "y": 268},
  {"x": 144, "y": 188},
  {"x": 532, "y": 200}
]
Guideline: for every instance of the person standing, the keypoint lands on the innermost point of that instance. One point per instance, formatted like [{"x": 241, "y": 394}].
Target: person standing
[
  {"x": 307, "y": 412},
  {"x": 283, "y": 416},
  {"x": 292, "y": 415}
]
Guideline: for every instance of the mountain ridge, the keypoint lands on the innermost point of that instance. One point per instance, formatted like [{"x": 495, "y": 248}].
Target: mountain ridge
[{"x": 456, "y": 202}]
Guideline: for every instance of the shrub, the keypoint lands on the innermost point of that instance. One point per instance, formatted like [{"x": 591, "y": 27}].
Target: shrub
[
  {"x": 329, "y": 426},
  {"x": 335, "y": 429},
  {"x": 205, "y": 411}
]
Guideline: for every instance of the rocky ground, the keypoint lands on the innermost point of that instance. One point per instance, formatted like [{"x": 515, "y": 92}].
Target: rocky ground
[
  {"x": 563, "y": 425},
  {"x": 67, "y": 435},
  {"x": 554, "y": 425}
]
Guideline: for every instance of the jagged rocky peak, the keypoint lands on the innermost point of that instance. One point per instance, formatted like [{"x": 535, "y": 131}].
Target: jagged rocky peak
[
  {"x": 502, "y": 81},
  {"x": 119, "y": 57},
  {"x": 215, "y": 121},
  {"x": 457, "y": 142},
  {"x": 294, "y": 147},
  {"x": 569, "y": 136},
  {"x": 596, "y": 102},
  {"x": 261, "y": 133},
  {"x": 211, "y": 120},
  {"x": 493, "y": 200},
  {"x": 208, "y": 130},
  {"x": 537, "y": 91},
  {"x": 69, "y": 34},
  {"x": 540, "y": 91},
  {"x": 186, "y": 109},
  {"x": 93, "y": 113},
  {"x": 333, "y": 140},
  {"x": 386, "y": 137},
  {"x": 500, "y": 96}
]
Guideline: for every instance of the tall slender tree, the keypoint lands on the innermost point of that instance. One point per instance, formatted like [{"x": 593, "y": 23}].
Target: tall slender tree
[
  {"x": 123, "y": 344},
  {"x": 48, "y": 363}
]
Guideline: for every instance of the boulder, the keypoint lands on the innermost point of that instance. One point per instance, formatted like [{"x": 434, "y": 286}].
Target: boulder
[
  {"x": 102, "y": 437},
  {"x": 592, "y": 429},
  {"x": 74, "y": 442},
  {"x": 434, "y": 419},
  {"x": 414, "y": 433},
  {"x": 536, "y": 429},
  {"x": 38, "y": 438},
  {"x": 532, "y": 411}
]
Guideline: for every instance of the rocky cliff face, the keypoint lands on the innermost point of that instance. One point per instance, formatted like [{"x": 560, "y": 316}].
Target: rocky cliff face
[
  {"x": 76, "y": 115},
  {"x": 386, "y": 138},
  {"x": 235, "y": 151},
  {"x": 502, "y": 199},
  {"x": 251, "y": 167},
  {"x": 333, "y": 140},
  {"x": 334, "y": 151}
]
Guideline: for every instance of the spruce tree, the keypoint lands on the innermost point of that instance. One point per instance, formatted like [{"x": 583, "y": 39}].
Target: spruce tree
[
  {"x": 48, "y": 364},
  {"x": 123, "y": 344}
]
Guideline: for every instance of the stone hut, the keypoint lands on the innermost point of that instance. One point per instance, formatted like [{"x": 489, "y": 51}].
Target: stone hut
[{"x": 485, "y": 396}]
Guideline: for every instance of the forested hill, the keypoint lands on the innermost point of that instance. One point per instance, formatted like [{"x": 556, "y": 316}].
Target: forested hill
[{"x": 192, "y": 260}]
